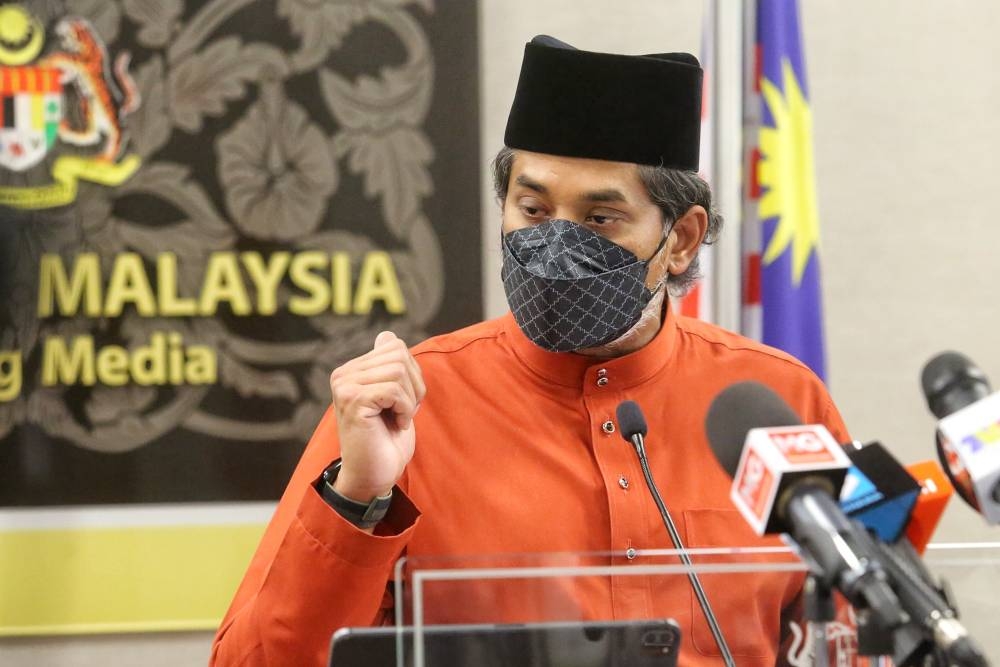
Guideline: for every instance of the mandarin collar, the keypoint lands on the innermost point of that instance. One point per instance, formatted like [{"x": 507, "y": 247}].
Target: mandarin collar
[{"x": 569, "y": 369}]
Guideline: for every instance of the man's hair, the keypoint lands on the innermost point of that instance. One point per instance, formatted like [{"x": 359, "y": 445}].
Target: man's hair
[{"x": 673, "y": 190}]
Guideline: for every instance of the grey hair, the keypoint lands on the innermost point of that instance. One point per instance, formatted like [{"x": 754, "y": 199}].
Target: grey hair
[{"x": 674, "y": 191}]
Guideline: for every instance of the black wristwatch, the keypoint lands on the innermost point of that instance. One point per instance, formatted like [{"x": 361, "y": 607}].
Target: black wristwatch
[{"x": 362, "y": 515}]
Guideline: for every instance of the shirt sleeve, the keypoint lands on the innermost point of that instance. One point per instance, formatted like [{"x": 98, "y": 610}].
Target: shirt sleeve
[{"x": 313, "y": 572}]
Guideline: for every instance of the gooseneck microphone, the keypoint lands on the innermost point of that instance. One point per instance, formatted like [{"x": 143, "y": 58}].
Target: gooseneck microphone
[
  {"x": 786, "y": 479},
  {"x": 632, "y": 425}
]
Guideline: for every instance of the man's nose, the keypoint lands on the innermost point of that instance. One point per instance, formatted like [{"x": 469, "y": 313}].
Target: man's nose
[{"x": 566, "y": 214}]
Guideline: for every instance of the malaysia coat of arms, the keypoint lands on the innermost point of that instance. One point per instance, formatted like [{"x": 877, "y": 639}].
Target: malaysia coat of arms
[{"x": 73, "y": 95}]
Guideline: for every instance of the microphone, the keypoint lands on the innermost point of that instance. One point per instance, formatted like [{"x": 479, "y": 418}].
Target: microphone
[
  {"x": 632, "y": 425},
  {"x": 959, "y": 395},
  {"x": 785, "y": 480},
  {"x": 935, "y": 621},
  {"x": 950, "y": 382},
  {"x": 878, "y": 490},
  {"x": 935, "y": 492}
]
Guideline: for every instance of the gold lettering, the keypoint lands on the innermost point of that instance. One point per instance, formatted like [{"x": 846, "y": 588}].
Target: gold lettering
[
  {"x": 112, "y": 365},
  {"x": 148, "y": 361},
  {"x": 175, "y": 358},
  {"x": 340, "y": 275},
  {"x": 58, "y": 292},
  {"x": 61, "y": 365},
  {"x": 10, "y": 375},
  {"x": 171, "y": 305},
  {"x": 266, "y": 278},
  {"x": 129, "y": 284},
  {"x": 201, "y": 365},
  {"x": 317, "y": 288},
  {"x": 378, "y": 281},
  {"x": 223, "y": 282}
]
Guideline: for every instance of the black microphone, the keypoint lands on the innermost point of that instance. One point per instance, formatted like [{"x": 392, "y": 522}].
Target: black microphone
[
  {"x": 935, "y": 622},
  {"x": 950, "y": 382},
  {"x": 786, "y": 478},
  {"x": 959, "y": 395},
  {"x": 928, "y": 609},
  {"x": 632, "y": 425}
]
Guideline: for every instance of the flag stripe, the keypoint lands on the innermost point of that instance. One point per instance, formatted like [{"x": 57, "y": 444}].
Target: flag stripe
[{"x": 752, "y": 285}]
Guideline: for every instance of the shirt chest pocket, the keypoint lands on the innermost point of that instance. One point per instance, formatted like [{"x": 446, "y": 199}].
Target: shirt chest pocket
[{"x": 748, "y": 603}]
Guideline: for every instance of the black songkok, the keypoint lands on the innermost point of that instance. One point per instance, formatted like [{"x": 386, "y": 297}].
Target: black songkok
[{"x": 641, "y": 109}]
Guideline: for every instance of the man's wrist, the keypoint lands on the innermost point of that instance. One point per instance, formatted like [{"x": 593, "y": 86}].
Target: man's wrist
[
  {"x": 363, "y": 514},
  {"x": 347, "y": 486}
]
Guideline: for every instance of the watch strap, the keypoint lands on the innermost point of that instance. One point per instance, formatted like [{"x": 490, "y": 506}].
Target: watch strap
[{"x": 362, "y": 515}]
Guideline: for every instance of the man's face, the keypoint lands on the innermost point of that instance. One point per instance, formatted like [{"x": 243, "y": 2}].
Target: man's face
[{"x": 607, "y": 197}]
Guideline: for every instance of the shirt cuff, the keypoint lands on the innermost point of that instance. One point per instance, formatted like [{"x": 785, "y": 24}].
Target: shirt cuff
[{"x": 350, "y": 543}]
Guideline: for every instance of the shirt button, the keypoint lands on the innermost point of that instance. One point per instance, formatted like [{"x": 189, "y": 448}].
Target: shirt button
[
  {"x": 630, "y": 553},
  {"x": 608, "y": 426},
  {"x": 623, "y": 482},
  {"x": 601, "y": 382}
]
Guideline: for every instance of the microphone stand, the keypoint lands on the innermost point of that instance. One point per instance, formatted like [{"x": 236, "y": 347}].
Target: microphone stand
[
  {"x": 706, "y": 607},
  {"x": 819, "y": 610}
]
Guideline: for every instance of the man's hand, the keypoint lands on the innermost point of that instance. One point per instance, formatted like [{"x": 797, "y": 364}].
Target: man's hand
[{"x": 375, "y": 397}]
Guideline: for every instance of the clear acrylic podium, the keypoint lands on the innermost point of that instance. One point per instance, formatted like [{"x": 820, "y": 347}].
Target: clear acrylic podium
[{"x": 756, "y": 594}]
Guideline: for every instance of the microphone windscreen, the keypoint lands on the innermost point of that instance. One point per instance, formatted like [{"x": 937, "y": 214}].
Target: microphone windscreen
[
  {"x": 630, "y": 420},
  {"x": 737, "y": 409},
  {"x": 950, "y": 382}
]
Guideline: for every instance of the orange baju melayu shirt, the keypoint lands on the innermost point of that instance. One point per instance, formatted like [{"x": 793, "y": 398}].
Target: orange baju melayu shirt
[{"x": 518, "y": 452}]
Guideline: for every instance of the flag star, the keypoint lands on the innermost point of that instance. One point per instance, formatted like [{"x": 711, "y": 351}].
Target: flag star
[{"x": 786, "y": 169}]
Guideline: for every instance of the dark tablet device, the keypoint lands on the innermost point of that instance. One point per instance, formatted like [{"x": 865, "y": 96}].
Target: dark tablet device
[{"x": 649, "y": 643}]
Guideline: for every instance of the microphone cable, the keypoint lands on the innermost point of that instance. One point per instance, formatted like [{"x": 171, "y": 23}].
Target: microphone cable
[{"x": 633, "y": 429}]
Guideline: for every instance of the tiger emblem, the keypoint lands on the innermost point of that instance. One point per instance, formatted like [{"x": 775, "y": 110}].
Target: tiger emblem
[
  {"x": 73, "y": 95},
  {"x": 105, "y": 91}
]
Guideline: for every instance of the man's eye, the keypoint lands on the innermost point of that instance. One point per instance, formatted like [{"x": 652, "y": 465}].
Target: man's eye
[
  {"x": 532, "y": 211},
  {"x": 601, "y": 219}
]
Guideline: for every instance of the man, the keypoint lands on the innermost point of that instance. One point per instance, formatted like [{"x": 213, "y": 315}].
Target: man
[{"x": 501, "y": 438}]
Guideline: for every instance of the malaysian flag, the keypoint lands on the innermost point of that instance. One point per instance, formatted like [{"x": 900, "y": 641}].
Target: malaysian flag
[{"x": 781, "y": 290}]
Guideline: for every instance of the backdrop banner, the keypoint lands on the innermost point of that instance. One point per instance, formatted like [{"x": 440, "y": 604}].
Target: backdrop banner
[{"x": 206, "y": 207}]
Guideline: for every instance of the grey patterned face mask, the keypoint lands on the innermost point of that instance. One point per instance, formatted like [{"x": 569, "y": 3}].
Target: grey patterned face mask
[{"x": 570, "y": 288}]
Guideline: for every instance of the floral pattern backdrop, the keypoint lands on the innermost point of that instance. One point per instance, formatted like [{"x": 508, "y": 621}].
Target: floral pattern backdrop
[{"x": 265, "y": 126}]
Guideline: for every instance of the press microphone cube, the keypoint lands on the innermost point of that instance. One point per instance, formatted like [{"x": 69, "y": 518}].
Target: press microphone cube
[
  {"x": 773, "y": 460},
  {"x": 935, "y": 492},
  {"x": 878, "y": 491},
  {"x": 973, "y": 434}
]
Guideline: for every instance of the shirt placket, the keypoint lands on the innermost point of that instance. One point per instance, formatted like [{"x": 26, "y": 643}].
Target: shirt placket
[{"x": 628, "y": 501}]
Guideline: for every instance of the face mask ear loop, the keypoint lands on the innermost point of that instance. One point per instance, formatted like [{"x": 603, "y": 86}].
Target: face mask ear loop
[
  {"x": 663, "y": 281},
  {"x": 663, "y": 242}
]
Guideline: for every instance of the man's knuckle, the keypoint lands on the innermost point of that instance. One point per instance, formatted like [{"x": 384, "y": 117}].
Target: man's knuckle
[{"x": 398, "y": 369}]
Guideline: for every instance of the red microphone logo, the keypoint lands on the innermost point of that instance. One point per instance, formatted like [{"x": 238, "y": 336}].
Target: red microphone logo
[
  {"x": 756, "y": 485},
  {"x": 802, "y": 446}
]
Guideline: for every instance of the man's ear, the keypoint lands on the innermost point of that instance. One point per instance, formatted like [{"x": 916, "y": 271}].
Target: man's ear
[{"x": 688, "y": 232}]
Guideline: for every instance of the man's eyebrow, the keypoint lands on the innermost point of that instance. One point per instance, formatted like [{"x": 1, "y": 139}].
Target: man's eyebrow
[
  {"x": 607, "y": 195},
  {"x": 531, "y": 184}
]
